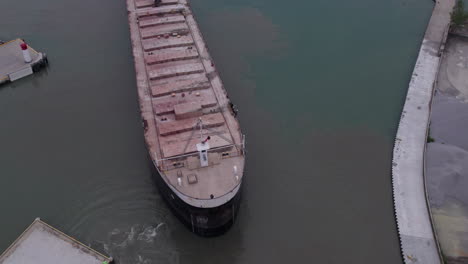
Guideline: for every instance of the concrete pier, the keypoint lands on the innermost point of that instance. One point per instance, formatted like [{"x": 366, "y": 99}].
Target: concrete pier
[
  {"x": 43, "y": 244},
  {"x": 12, "y": 64},
  {"x": 417, "y": 239}
]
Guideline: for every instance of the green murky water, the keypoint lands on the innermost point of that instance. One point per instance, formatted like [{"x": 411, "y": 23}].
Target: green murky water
[{"x": 319, "y": 84}]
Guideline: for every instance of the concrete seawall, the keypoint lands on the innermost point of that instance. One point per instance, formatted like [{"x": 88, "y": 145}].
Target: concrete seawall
[{"x": 417, "y": 240}]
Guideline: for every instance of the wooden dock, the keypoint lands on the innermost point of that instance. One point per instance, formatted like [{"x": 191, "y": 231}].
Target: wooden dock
[
  {"x": 43, "y": 244},
  {"x": 12, "y": 64}
]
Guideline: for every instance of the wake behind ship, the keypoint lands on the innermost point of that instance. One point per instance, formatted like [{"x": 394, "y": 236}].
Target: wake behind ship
[{"x": 190, "y": 128}]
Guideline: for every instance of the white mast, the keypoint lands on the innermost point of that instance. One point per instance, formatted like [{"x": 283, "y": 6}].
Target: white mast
[{"x": 203, "y": 147}]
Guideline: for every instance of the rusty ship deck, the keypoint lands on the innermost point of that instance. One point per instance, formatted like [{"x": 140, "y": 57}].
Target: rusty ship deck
[{"x": 183, "y": 102}]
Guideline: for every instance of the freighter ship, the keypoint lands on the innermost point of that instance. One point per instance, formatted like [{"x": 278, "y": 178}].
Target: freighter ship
[{"x": 190, "y": 126}]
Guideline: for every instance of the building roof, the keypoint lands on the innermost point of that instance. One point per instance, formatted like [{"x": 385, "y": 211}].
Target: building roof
[{"x": 42, "y": 244}]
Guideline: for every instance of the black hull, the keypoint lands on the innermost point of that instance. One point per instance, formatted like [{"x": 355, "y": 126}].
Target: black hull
[{"x": 207, "y": 222}]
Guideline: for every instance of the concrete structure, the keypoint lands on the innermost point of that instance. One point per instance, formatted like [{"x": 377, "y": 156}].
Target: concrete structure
[
  {"x": 453, "y": 75},
  {"x": 12, "y": 61},
  {"x": 417, "y": 240},
  {"x": 43, "y": 244},
  {"x": 447, "y": 156},
  {"x": 461, "y": 31}
]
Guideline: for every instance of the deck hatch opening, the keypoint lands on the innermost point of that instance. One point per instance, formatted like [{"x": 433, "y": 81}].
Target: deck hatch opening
[{"x": 192, "y": 178}]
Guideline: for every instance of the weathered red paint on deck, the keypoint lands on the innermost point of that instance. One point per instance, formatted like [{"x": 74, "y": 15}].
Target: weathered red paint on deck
[{"x": 178, "y": 88}]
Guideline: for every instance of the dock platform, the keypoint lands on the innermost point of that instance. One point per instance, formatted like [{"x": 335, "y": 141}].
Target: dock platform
[
  {"x": 12, "y": 64},
  {"x": 43, "y": 244}
]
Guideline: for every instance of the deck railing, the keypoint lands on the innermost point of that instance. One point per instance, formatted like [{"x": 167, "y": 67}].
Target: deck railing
[{"x": 181, "y": 161}]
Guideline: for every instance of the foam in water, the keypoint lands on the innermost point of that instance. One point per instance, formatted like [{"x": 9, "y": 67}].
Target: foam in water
[{"x": 139, "y": 244}]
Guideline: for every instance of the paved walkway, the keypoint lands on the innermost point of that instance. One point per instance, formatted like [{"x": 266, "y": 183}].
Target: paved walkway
[
  {"x": 447, "y": 157},
  {"x": 414, "y": 225}
]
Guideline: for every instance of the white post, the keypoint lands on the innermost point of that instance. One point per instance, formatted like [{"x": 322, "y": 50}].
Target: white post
[
  {"x": 26, "y": 54},
  {"x": 203, "y": 152}
]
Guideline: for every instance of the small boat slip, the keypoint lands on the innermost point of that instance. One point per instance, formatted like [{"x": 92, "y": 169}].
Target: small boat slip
[{"x": 43, "y": 244}]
